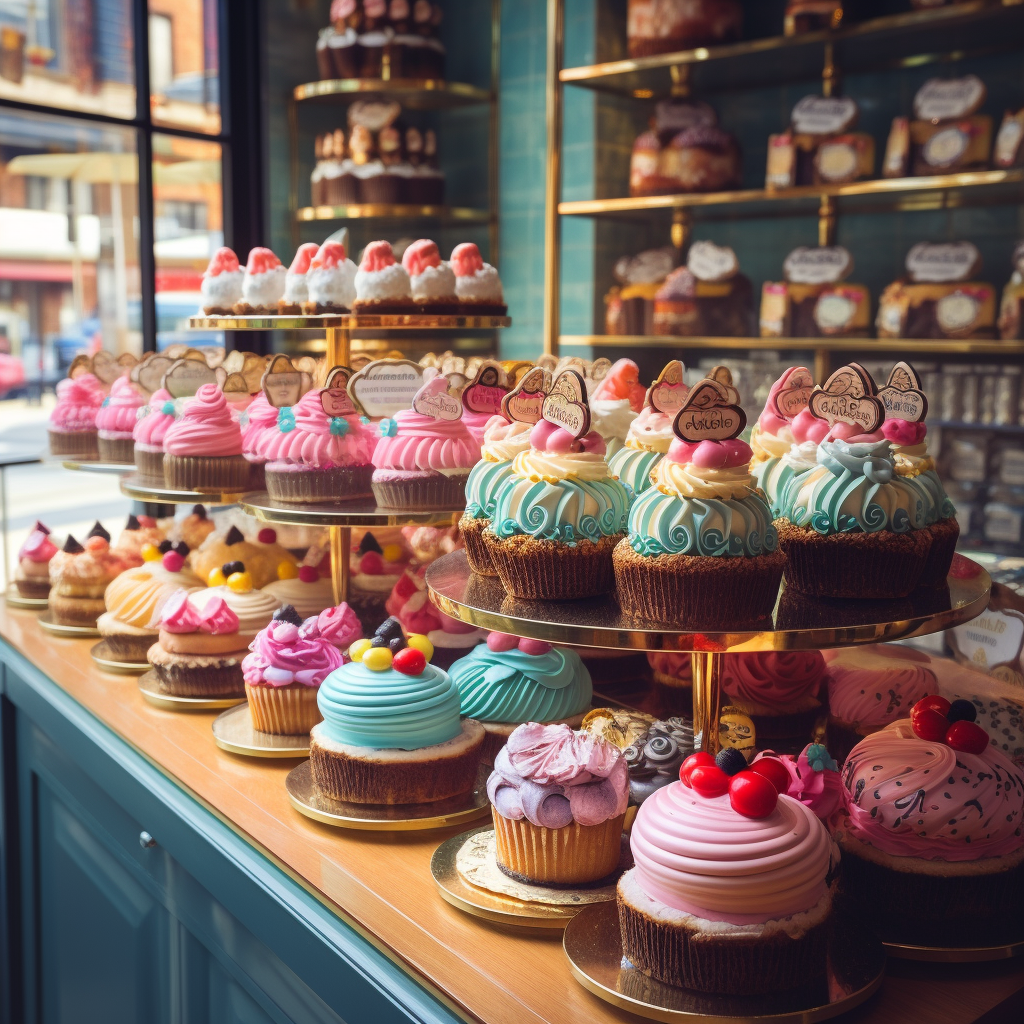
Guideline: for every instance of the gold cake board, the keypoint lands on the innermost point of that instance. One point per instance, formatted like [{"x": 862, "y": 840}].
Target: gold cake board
[
  {"x": 110, "y": 662},
  {"x": 234, "y": 732},
  {"x": 149, "y": 686}
]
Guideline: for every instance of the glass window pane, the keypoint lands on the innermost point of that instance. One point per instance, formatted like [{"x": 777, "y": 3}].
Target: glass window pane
[
  {"x": 189, "y": 228},
  {"x": 69, "y": 261},
  {"x": 73, "y": 54},
  {"x": 183, "y": 64}
]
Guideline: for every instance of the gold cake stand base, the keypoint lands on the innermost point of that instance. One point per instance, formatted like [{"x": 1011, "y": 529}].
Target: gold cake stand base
[
  {"x": 149, "y": 686},
  {"x": 593, "y": 945},
  {"x": 234, "y": 732},
  {"x": 307, "y": 800},
  {"x": 68, "y": 632},
  {"x": 30, "y": 604},
  {"x": 109, "y": 662}
]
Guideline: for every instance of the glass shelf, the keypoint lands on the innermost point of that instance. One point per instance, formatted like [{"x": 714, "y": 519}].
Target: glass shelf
[
  {"x": 394, "y": 211},
  {"x": 362, "y": 513},
  {"x": 349, "y": 321},
  {"x": 911, "y": 38},
  {"x": 413, "y": 93}
]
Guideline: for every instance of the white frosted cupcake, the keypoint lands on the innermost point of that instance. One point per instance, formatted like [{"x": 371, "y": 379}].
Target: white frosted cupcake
[
  {"x": 331, "y": 281},
  {"x": 477, "y": 284},
  {"x": 296, "y": 290},
  {"x": 221, "y": 286},
  {"x": 382, "y": 283},
  {"x": 432, "y": 280},
  {"x": 304, "y": 589},
  {"x": 262, "y": 285}
]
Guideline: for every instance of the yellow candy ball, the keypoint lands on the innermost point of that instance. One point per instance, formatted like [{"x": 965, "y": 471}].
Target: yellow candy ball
[
  {"x": 358, "y": 649},
  {"x": 240, "y": 582},
  {"x": 151, "y": 553},
  {"x": 392, "y": 552},
  {"x": 377, "y": 659},
  {"x": 287, "y": 571},
  {"x": 216, "y": 578},
  {"x": 420, "y": 643}
]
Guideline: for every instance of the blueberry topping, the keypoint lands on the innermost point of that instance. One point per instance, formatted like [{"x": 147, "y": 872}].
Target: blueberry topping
[
  {"x": 288, "y": 614},
  {"x": 397, "y": 644},
  {"x": 962, "y": 711},
  {"x": 230, "y": 568},
  {"x": 181, "y": 548},
  {"x": 389, "y": 629},
  {"x": 165, "y": 546},
  {"x": 199, "y": 510},
  {"x": 379, "y": 641},
  {"x": 730, "y": 760}
]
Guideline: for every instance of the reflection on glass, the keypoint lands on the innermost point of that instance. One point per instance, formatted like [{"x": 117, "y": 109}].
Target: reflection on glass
[
  {"x": 183, "y": 64},
  {"x": 189, "y": 228},
  {"x": 69, "y": 262},
  {"x": 73, "y": 54}
]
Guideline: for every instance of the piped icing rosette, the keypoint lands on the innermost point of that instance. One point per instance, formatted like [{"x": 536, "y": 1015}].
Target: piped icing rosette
[
  {"x": 255, "y": 421},
  {"x": 284, "y": 653},
  {"x": 776, "y": 682},
  {"x": 802, "y": 457},
  {"x": 304, "y": 589},
  {"x": 413, "y": 443},
  {"x": 116, "y": 417},
  {"x": 812, "y": 777},
  {"x": 503, "y": 441},
  {"x": 647, "y": 442},
  {"x": 221, "y": 286},
  {"x": 78, "y": 404},
  {"x": 263, "y": 282},
  {"x": 915, "y": 473},
  {"x": 152, "y": 426},
  {"x": 205, "y": 427},
  {"x": 253, "y": 609},
  {"x": 200, "y": 612},
  {"x": 560, "y": 490}
]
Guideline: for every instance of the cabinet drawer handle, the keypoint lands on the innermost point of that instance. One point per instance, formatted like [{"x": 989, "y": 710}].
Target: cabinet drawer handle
[{"x": 146, "y": 841}]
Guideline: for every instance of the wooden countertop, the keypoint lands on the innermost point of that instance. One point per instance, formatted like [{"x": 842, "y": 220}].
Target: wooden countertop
[{"x": 381, "y": 883}]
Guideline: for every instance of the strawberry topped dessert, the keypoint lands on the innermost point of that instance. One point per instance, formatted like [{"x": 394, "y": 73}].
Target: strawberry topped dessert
[
  {"x": 221, "y": 287},
  {"x": 115, "y": 422},
  {"x": 262, "y": 285},
  {"x": 332, "y": 281},
  {"x": 296, "y": 280},
  {"x": 72, "y": 426},
  {"x": 432, "y": 280},
  {"x": 477, "y": 284},
  {"x": 382, "y": 283}
]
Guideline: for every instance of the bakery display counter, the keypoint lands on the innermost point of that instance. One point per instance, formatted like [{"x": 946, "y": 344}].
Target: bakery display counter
[{"x": 154, "y": 867}]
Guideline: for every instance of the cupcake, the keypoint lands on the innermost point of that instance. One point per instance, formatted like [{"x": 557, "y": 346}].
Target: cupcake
[
  {"x": 870, "y": 688},
  {"x": 304, "y": 589},
  {"x": 332, "y": 281},
  {"x": 72, "y": 425},
  {"x": 262, "y": 555},
  {"x": 258, "y": 418},
  {"x": 115, "y": 422},
  {"x": 508, "y": 681},
  {"x": 432, "y": 280},
  {"x": 79, "y": 577},
  {"x": 482, "y": 398},
  {"x": 701, "y": 549},
  {"x": 424, "y": 454},
  {"x": 773, "y": 437},
  {"x": 32, "y": 577},
  {"x": 730, "y": 892},
  {"x": 671, "y": 668},
  {"x": 932, "y": 838},
  {"x": 296, "y": 281},
  {"x": 382, "y": 284},
  {"x": 233, "y": 583},
  {"x": 139, "y": 533},
  {"x": 781, "y": 691},
  {"x": 373, "y": 574},
  {"x": 262, "y": 284},
  {"x": 616, "y": 402},
  {"x": 558, "y": 801},
  {"x": 196, "y": 527},
  {"x": 477, "y": 284},
  {"x": 650, "y": 436},
  {"x": 812, "y": 777},
  {"x": 221, "y": 287},
  {"x": 203, "y": 447},
  {"x": 321, "y": 451},
  {"x": 133, "y": 602},
  {"x": 847, "y": 530},
  {"x": 559, "y": 516},
  {"x": 391, "y": 732},
  {"x": 289, "y": 660},
  {"x": 149, "y": 432}
]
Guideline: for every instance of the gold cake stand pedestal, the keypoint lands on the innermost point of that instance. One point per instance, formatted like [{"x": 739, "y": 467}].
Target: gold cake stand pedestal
[
  {"x": 149, "y": 687},
  {"x": 67, "y": 632},
  {"x": 29, "y": 604},
  {"x": 234, "y": 732}
]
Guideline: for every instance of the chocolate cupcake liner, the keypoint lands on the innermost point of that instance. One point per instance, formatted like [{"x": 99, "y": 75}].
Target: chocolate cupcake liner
[
  {"x": 80, "y": 445},
  {"x": 345, "y": 483},
  {"x": 381, "y": 188},
  {"x": 482, "y": 309},
  {"x": 471, "y": 531},
  {"x": 257, "y": 475},
  {"x": 75, "y": 611},
  {"x": 283, "y": 710},
  {"x": 423, "y": 492},
  {"x": 219, "y": 680},
  {"x": 116, "y": 449},
  {"x": 853, "y": 565},
  {"x": 709, "y": 961},
  {"x": 701, "y": 591},
  {"x": 346, "y": 61},
  {"x": 150, "y": 464},
  {"x": 33, "y": 588},
  {"x": 341, "y": 191},
  {"x": 944, "y": 535},
  {"x": 573, "y": 855},
  {"x": 206, "y": 473},
  {"x": 548, "y": 570},
  {"x": 130, "y": 646}
]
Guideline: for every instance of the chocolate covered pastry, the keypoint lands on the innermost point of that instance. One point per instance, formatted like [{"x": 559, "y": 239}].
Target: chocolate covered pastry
[{"x": 663, "y": 26}]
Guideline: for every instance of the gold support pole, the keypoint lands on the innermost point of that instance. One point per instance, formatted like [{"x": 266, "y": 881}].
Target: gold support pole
[
  {"x": 338, "y": 354},
  {"x": 682, "y": 229},
  {"x": 494, "y": 126},
  {"x": 553, "y": 181},
  {"x": 293, "y": 168},
  {"x": 829, "y": 73},
  {"x": 827, "y": 221},
  {"x": 707, "y": 699},
  {"x": 822, "y": 365},
  {"x": 681, "y": 86}
]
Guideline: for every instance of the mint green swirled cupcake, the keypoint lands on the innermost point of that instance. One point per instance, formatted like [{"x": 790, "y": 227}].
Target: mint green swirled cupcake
[
  {"x": 508, "y": 681},
  {"x": 649, "y": 438},
  {"x": 392, "y": 732}
]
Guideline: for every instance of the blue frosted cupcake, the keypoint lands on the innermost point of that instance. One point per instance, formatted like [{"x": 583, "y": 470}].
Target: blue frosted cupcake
[
  {"x": 647, "y": 443},
  {"x": 508, "y": 681},
  {"x": 392, "y": 732}
]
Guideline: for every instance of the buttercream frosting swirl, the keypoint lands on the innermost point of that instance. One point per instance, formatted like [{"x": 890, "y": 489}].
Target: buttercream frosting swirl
[
  {"x": 284, "y": 653},
  {"x": 813, "y": 779},
  {"x": 254, "y": 609},
  {"x": 152, "y": 426},
  {"x": 259, "y": 417},
  {"x": 870, "y": 687},
  {"x": 206, "y": 427},
  {"x": 137, "y": 595},
  {"x": 78, "y": 402},
  {"x": 775, "y": 679},
  {"x": 182, "y": 613},
  {"x": 311, "y": 438},
  {"x": 117, "y": 415},
  {"x": 423, "y": 443}
]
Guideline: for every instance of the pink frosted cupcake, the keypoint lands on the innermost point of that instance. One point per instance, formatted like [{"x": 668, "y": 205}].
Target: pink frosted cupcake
[
  {"x": 262, "y": 285},
  {"x": 203, "y": 449},
  {"x": 812, "y": 777},
  {"x": 72, "y": 427},
  {"x": 221, "y": 287},
  {"x": 477, "y": 284},
  {"x": 115, "y": 422},
  {"x": 382, "y": 283},
  {"x": 289, "y": 661},
  {"x": 322, "y": 452},
  {"x": 259, "y": 417},
  {"x": 150, "y": 430},
  {"x": 32, "y": 577},
  {"x": 432, "y": 280},
  {"x": 671, "y": 668},
  {"x": 296, "y": 280}
]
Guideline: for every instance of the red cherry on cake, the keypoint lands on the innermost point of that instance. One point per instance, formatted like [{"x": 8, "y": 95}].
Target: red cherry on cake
[
  {"x": 928, "y": 724},
  {"x": 752, "y": 795},
  {"x": 267, "y": 536},
  {"x": 372, "y": 564},
  {"x": 968, "y": 737},
  {"x": 709, "y": 780},
  {"x": 934, "y": 702},
  {"x": 409, "y": 662},
  {"x": 774, "y": 771},
  {"x": 308, "y": 574},
  {"x": 702, "y": 757}
]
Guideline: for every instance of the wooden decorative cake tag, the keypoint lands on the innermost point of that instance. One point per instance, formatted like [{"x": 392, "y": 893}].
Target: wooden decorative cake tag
[
  {"x": 793, "y": 392},
  {"x": 252, "y": 369},
  {"x": 386, "y": 386},
  {"x": 723, "y": 375},
  {"x": 232, "y": 384},
  {"x": 81, "y": 364},
  {"x": 824, "y": 115},
  {"x": 485, "y": 392},
  {"x": 942, "y": 262},
  {"x": 438, "y": 399},
  {"x": 668, "y": 393},
  {"x": 234, "y": 361},
  {"x": 184, "y": 377},
  {"x": 902, "y": 396},
  {"x": 105, "y": 367},
  {"x": 282, "y": 383},
  {"x": 821, "y": 265},
  {"x": 127, "y": 362},
  {"x": 941, "y": 99},
  {"x": 176, "y": 351},
  {"x": 848, "y": 397},
  {"x": 599, "y": 369},
  {"x": 334, "y": 398},
  {"x": 566, "y": 404},
  {"x": 710, "y": 413},
  {"x": 525, "y": 402},
  {"x": 710, "y": 262},
  {"x": 150, "y": 372}
]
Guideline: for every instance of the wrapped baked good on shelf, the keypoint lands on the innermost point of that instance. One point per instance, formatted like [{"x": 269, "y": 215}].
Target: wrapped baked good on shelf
[
  {"x": 812, "y": 16},
  {"x": 815, "y": 300},
  {"x": 1011, "y": 309},
  {"x": 663, "y": 26},
  {"x": 629, "y": 306},
  {"x": 1008, "y": 150}
]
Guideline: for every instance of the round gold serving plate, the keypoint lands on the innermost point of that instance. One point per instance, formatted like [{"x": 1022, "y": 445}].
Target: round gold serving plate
[
  {"x": 234, "y": 732},
  {"x": 30, "y": 604},
  {"x": 135, "y": 486},
  {"x": 109, "y": 468},
  {"x": 593, "y": 946},
  {"x": 109, "y": 662},
  {"x": 492, "y": 906},
  {"x": 394, "y": 211},
  {"x": 796, "y": 624},
  {"x": 373, "y": 818},
  {"x": 348, "y": 321},
  {"x": 414, "y": 93},
  {"x": 364, "y": 512},
  {"x": 955, "y": 954},
  {"x": 68, "y": 632},
  {"x": 149, "y": 687}
]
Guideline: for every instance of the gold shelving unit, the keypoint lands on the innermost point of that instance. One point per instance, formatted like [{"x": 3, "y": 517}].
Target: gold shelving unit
[
  {"x": 414, "y": 93},
  {"x": 394, "y": 211}
]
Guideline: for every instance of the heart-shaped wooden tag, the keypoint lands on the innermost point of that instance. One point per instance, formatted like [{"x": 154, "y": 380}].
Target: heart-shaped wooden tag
[
  {"x": 525, "y": 402},
  {"x": 384, "y": 387},
  {"x": 668, "y": 393},
  {"x": 709, "y": 413},
  {"x": 486, "y": 390},
  {"x": 438, "y": 399},
  {"x": 791, "y": 393},
  {"x": 184, "y": 377},
  {"x": 282, "y": 382},
  {"x": 334, "y": 398},
  {"x": 848, "y": 397},
  {"x": 902, "y": 397},
  {"x": 566, "y": 404}
]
